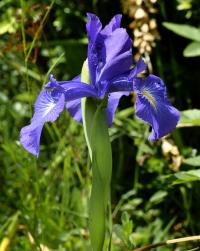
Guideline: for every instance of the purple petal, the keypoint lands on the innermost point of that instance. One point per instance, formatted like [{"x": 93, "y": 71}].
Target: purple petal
[
  {"x": 30, "y": 138},
  {"x": 74, "y": 108},
  {"x": 63, "y": 86},
  {"x": 72, "y": 89},
  {"x": 67, "y": 85},
  {"x": 52, "y": 82},
  {"x": 77, "y": 78},
  {"x": 80, "y": 92},
  {"x": 47, "y": 109},
  {"x": 112, "y": 26},
  {"x": 109, "y": 50},
  {"x": 114, "y": 55},
  {"x": 153, "y": 107},
  {"x": 113, "y": 101},
  {"x": 121, "y": 84},
  {"x": 93, "y": 28}
]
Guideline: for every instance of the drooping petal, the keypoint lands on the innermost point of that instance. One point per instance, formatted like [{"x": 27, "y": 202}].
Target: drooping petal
[
  {"x": 30, "y": 138},
  {"x": 47, "y": 109},
  {"x": 80, "y": 92},
  {"x": 113, "y": 101},
  {"x": 74, "y": 109},
  {"x": 114, "y": 55},
  {"x": 74, "y": 106},
  {"x": 67, "y": 85},
  {"x": 63, "y": 86},
  {"x": 73, "y": 89},
  {"x": 114, "y": 24},
  {"x": 153, "y": 107}
]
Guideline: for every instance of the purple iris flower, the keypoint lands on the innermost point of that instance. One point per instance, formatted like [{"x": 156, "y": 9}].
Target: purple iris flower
[{"x": 110, "y": 64}]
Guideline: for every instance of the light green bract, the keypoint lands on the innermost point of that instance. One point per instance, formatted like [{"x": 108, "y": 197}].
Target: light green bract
[{"x": 97, "y": 138}]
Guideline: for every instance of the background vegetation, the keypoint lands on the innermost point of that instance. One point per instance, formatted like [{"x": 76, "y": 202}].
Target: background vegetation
[{"x": 155, "y": 187}]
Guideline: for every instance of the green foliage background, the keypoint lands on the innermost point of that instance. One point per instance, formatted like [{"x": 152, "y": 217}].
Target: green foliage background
[{"x": 44, "y": 202}]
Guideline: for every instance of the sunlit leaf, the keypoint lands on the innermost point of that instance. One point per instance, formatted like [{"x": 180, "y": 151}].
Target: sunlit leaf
[
  {"x": 184, "y": 30},
  {"x": 158, "y": 196},
  {"x": 195, "y": 161},
  {"x": 189, "y": 176},
  {"x": 190, "y": 118},
  {"x": 192, "y": 50}
]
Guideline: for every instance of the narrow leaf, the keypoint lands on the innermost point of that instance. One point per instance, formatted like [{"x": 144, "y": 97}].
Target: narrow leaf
[
  {"x": 190, "y": 118},
  {"x": 192, "y": 50},
  {"x": 195, "y": 161},
  {"x": 185, "y": 177},
  {"x": 184, "y": 30}
]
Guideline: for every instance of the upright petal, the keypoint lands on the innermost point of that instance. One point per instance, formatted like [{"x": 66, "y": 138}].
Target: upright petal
[
  {"x": 114, "y": 55},
  {"x": 93, "y": 28},
  {"x": 153, "y": 107},
  {"x": 114, "y": 24},
  {"x": 47, "y": 109},
  {"x": 113, "y": 101}
]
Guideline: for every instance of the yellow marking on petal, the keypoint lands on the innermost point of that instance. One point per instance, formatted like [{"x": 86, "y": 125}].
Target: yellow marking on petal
[{"x": 150, "y": 98}]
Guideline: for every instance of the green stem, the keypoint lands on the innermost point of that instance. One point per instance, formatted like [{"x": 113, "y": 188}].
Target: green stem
[{"x": 97, "y": 138}]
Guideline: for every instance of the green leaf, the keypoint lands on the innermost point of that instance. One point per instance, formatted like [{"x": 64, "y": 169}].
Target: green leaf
[
  {"x": 185, "y": 5},
  {"x": 195, "y": 161},
  {"x": 189, "y": 118},
  {"x": 184, "y": 30},
  {"x": 189, "y": 176},
  {"x": 192, "y": 50},
  {"x": 158, "y": 197},
  {"x": 195, "y": 173}
]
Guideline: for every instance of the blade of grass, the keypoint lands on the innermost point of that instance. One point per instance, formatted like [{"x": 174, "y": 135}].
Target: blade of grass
[
  {"x": 39, "y": 31},
  {"x": 22, "y": 27}
]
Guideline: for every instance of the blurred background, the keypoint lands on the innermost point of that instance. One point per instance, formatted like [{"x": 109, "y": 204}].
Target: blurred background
[{"x": 155, "y": 186}]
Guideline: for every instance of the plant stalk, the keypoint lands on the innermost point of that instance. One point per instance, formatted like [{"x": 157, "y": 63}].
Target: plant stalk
[{"x": 98, "y": 142}]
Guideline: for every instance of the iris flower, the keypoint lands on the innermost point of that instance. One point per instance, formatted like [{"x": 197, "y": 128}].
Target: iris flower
[{"x": 112, "y": 75}]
